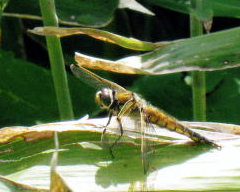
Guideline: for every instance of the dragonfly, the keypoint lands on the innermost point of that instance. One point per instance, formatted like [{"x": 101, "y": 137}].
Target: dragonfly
[{"x": 121, "y": 102}]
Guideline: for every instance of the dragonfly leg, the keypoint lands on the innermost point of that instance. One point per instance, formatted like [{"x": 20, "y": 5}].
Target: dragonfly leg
[
  {"x": 109, "y": 118},
  {"x": 105, "y": 127},
  {"x": 119, "y": 137},
  {"x": 124, "y": 111}
]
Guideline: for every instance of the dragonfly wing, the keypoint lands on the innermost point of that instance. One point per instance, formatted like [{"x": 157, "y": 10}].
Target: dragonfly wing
[
  {"x": 144, "y": 151},
  {"x": 125, "y": 110},
  {"x": 93, "y": 79}
]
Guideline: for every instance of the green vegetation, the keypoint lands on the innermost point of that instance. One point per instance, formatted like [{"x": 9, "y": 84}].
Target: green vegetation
[{"x": 167, "y": 68}]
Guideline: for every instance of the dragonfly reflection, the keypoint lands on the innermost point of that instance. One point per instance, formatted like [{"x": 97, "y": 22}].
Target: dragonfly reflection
[{"x": 121, "y": 102}]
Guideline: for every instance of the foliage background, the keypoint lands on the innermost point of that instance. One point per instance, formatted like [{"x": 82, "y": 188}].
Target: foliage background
[
  {"x": 26, "y": 90},
  {"x": 27, "y": 97}
]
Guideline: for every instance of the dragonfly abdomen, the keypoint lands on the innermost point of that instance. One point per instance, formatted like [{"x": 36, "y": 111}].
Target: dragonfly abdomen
[{"x": 160, "y": 118}]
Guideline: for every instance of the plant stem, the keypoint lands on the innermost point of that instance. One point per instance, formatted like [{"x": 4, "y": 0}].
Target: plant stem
[
  {"x": 198, "y": 78},
  {"x": 56, "y": 61}
]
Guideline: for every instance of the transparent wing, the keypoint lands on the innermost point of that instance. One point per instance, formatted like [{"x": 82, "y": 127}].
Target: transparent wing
[
  {"x": 94, "y": 80},
  {"x": 125, "y": 111},
  {"x": 141, "y": 125},
  {"x": 144, "y": 151}
]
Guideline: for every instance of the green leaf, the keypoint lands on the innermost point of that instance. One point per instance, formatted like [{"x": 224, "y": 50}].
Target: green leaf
[
  {"x": 27, "y": 95},
  {"x": 230, "y": 8},
  {"x": 223, "y": 99},
  {"x": 215, "y": 51},
  {"x": 207, "y": 52},
  {"x": 10, "y": 185},
  {"x": 3, "y": 4},
  {"x": 88, "y": 13},
  {"x": 194, "y": 167},
  {"x": 134, "y": 5},
  {"x": 95, "y": 13},
  {"x": 129, "y": 43}
]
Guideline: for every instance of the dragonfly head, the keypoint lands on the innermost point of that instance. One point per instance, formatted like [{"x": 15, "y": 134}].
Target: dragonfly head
[{"x": 105, "y": 98}]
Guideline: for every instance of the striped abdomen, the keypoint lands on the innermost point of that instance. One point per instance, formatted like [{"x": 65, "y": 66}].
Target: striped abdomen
[{"x": 160, "y": 118}]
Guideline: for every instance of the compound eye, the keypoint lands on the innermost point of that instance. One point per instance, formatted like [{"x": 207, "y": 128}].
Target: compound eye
[{"x": 104, "y": 98}]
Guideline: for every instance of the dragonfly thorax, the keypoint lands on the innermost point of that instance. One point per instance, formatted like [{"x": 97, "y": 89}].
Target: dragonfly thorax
[{"x": 105, "y": 98}]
